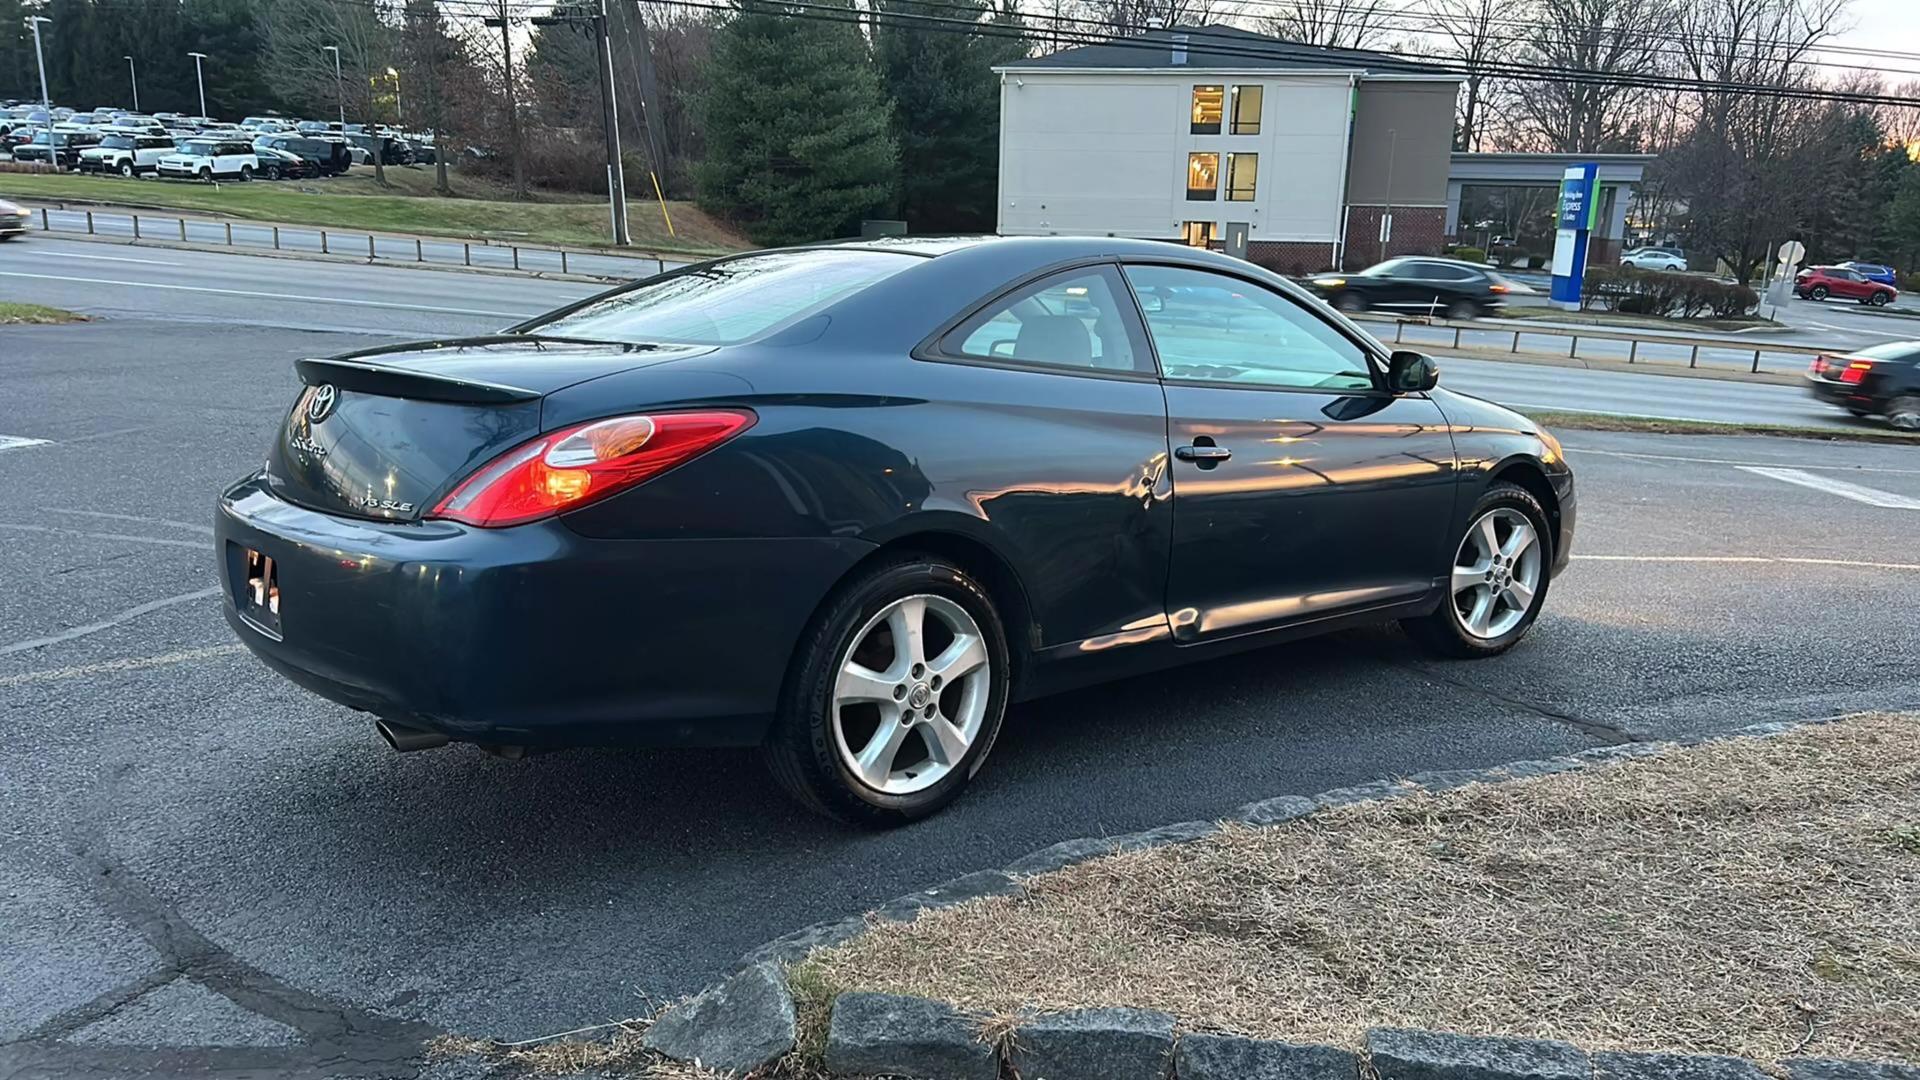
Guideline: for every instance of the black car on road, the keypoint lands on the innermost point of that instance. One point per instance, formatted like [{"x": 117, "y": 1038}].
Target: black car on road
[
  {"x": 845, "y": 503},
  {"x": 1883, "y": 380},
  {"x": 1417, "y": 285}
]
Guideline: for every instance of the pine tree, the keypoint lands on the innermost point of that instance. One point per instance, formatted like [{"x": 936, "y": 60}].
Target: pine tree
[
  {"x": 18, "y": 76},
  {"x": 946, "y": 101},
  {"x": 796, "y": 125}
]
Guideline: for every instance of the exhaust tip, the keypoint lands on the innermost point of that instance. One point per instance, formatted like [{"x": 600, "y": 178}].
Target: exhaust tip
[{"x": 408, "y": 739}]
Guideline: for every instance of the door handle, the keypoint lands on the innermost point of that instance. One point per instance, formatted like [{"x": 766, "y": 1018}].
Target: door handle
[{"x": 1203, "y": 454}]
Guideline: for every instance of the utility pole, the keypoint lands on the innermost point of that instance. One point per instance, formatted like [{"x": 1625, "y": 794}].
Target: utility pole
[
  {"x": 200, "y": 77},
  {"x": 134, "y": 78},
  {"x": 46, "y": 101},
  {"x": 505, "y": 23},
  {"x": 339, "y": 85},
  {"x": 616, "y": 172}
]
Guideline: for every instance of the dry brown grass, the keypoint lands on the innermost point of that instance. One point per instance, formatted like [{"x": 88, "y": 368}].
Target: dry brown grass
[{"x": 1758, "y": 897}]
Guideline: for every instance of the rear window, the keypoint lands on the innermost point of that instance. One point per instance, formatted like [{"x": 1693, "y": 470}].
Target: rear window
[
  {"x": 1899, "y": 350},
  {"x": 728, "y": 302}
]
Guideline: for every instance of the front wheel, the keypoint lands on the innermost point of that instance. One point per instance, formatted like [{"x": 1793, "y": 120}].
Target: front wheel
[
  {"x": 126, "y": 169},
  {"x": 206, "y": 176},
  {"x": 1498, "y": 579},
  {"x": 1878, "y": 299},
  {"x": 1904, "y": 413},
  {"x": 895, "y": 696},
  {"x": 1350, "y": 302}
]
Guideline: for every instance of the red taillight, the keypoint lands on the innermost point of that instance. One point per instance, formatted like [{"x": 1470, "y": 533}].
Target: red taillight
[
  {"x": 1856, "y": 371},
  {"x": 1819, "y": 365},
  {"x": 570, "y": 468}
]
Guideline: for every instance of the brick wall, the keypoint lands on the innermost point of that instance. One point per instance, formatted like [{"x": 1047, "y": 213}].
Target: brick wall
[
  {"x": 1417, "y": 230},
  {"x": 1290, "y": 256}
]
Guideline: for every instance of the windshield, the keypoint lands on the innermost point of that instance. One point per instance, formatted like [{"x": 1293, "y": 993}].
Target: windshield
[
  {"x": 117, "y": 142},
  {"x": 728, "y": 302},
  {"x": 199, "y": 149}
]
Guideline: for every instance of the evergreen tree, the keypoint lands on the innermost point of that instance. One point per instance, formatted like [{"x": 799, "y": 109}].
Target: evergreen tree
[
  {"x": 946, "y": 101},
  {"x": 18, "y": 76},
  {"x": 796, "y": 126}
]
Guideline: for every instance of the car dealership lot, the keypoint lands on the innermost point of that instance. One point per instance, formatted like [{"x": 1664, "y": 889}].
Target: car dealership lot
[{"x": 202, "y": 855}]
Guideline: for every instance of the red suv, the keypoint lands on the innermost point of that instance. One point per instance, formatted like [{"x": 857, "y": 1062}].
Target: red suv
[{"x": 1820, "y": 282}]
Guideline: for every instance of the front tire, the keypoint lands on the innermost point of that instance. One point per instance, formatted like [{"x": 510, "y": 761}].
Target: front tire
[
  {"x": 895, "y": 696},
  {"x": 1878, "y": 299},
  {"x": 1350, "y": 302},
  {"x": 126, "y": 169},
  {"x": 1903, "y": 413},
  {"x": 1498, "y": 578}
]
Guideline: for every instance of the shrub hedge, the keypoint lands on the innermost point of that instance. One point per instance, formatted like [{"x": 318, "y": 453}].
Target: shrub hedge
[
  {"x": 1665, "y": 294},
  {"x": 1470, "y": 254}
]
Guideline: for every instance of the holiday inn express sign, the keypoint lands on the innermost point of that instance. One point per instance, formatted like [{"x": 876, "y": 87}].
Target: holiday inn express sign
[{"x": 1579, "y": 208}]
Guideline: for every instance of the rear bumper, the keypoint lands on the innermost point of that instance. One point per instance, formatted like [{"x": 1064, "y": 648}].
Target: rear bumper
[
  {"x": 533, "y": 635},
  {"x": 1845, "y": 395}
]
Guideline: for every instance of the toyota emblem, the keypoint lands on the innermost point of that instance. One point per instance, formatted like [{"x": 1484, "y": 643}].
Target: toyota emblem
[{"x": 320, "y": 405}]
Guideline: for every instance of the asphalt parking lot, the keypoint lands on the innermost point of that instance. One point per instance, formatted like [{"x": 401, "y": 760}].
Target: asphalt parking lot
[{"x": 208, "y": 870}]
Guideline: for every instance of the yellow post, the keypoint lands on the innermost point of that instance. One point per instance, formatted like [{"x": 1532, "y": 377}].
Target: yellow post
[{"x": 658, "y": 194}]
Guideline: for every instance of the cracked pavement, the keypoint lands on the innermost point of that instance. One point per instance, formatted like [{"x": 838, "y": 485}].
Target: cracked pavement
[{"x": 207, "y": 871}]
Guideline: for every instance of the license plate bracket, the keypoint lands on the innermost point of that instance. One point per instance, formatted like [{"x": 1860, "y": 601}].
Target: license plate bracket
[{"x": 257, "y": 589}]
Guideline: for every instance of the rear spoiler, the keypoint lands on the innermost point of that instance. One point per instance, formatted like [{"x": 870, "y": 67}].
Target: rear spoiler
[{"x": 407, "y": 383}]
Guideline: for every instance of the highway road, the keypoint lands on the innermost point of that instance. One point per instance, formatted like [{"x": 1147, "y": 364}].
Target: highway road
[
  {"x": 297, "y": 294},
  {"x": 211, "y": 872}
]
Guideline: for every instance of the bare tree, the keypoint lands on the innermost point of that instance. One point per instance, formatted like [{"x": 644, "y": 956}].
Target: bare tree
[
  {"x": 1472, "y": 32},
  {"x": 1603, "y": 39},
  {"x": 1902, "y": 122},
  {"x": 1134, "y": 16},
  {"x": 299, "y": 37},
  {"x": 1338, "y": 24}
]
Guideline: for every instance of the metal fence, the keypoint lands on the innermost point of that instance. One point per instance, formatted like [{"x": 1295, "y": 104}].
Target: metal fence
[
  {"x": 373, "y": 247},
  {"x": 1638, "y": 346}
]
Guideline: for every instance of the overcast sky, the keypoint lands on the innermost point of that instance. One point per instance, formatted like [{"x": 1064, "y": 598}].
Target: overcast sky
[{"x": 1886, "y": 24}]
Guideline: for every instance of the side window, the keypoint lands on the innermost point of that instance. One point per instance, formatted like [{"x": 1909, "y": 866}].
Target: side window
[
  {"x": 1075, "y": 319},
  {"x": 1209, "y": 327},
  {"x": 1444, "y": 272},
  {"x": 1208, "y": 105}
]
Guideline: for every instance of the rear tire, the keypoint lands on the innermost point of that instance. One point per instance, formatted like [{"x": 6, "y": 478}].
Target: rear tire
[
  {"x": 1463, "y": 309},
  {"x": 1903, "y": 414},
  {"x": 811, "y": 747},
  {"x": 246, "y": 173},
  {"x": 1818, "y": 292},
  {"x": 1452, "y": 632}
]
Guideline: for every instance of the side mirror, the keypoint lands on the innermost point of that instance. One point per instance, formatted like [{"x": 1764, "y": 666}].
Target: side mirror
[{"x": 1410, "y": 372}]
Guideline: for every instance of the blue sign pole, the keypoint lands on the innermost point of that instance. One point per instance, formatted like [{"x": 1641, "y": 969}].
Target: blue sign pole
[{"x": 1579, "y": 208}]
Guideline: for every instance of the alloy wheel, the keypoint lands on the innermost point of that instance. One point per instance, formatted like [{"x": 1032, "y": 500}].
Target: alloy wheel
[
  {"x": 910, "y": 695},
  {"x": 1496, "y": 573}
]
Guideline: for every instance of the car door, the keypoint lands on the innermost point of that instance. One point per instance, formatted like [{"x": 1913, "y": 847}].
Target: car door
[
  {"x": 1302, "y": 489},
  {"x": 1848, "y": 284}
]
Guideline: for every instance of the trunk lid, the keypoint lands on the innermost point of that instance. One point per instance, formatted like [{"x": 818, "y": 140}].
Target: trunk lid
[{"x": 385, "y": 433}]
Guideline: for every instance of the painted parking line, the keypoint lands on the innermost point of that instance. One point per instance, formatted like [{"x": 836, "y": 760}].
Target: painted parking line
[
  {"x": 110, "y": 667},
  {"x": 109, "y": 622},
  {"x": 1886, "y": 500},
  {"x": 1639, "y": 456},
  {"x": 16, "y": 442},
  {"x": 103, "y": 258},
  {"x": 1789, "y": 560}
]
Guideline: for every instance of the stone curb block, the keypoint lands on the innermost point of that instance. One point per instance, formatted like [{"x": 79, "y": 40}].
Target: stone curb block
[
  {"x": 1094, "y": 1044},
  {"x": 1402, "y": 1054},
  {"x": 872, "y": 1034},
  {"x": 1823, "y": 1069},
  {"x": 737, "y": 1026},
  {"x": 1612, "y": 1066},
  {"x": 1227, "y": 1057}
]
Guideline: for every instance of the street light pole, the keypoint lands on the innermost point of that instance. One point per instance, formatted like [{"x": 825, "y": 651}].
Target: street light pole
[
  {"x": 200, "y": 78},
  {"x": 134, "y": 78},
  {"x": 339, "y": 87}
]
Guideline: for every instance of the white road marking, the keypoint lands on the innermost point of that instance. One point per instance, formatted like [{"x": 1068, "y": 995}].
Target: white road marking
[
  {"x": 1885, "y": 500},
  {"x": 109, "y": 622},
  {"x": 197, "y": 545},
  {"x": 275, "y": 296},
  {"x": 131, "y": 663},
  {"x": 1616, "y": 412},
  {"x": 15, "y": 442},
  {"x": 1787, "y": 559},
  {"x": 104, "y": 258},
  {"x": 1733, "y": 461},
  {"x": 169, "y": 522}
]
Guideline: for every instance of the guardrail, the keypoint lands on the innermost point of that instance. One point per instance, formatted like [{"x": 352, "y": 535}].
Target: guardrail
[
  {"x": 1692, "y": 343},
  {"x": 425, "y": 250}
]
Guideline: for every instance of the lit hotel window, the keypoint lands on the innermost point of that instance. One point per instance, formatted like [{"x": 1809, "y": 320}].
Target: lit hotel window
[
  {"x": 1207, "y": 105},
  {"x": 1246, "y": 110},
  {"x": 1203, "y": 176},
  {"x": 1242, "y": 170}
]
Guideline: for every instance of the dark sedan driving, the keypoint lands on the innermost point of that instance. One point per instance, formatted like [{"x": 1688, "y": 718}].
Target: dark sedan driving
[
  {"x": 846, "y": 503},
  {"x": 1883, "y": 380},
  {"x": 1424, "y": 286}
]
